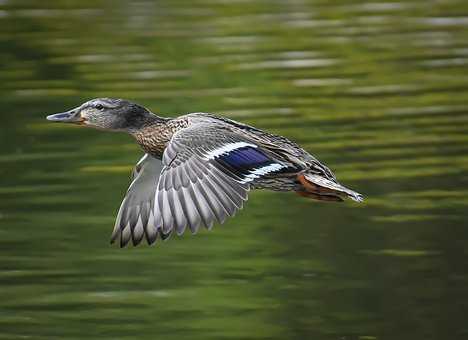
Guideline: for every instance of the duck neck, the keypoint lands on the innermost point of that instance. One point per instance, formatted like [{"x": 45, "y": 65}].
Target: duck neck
[{"x": 153, "y": 134}]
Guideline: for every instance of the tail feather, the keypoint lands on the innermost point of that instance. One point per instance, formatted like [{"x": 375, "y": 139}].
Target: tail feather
[{"x": 318, "y": 185}]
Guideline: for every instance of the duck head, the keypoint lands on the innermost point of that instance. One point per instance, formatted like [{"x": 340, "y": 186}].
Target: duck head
[{"x": 107, "y": 114}]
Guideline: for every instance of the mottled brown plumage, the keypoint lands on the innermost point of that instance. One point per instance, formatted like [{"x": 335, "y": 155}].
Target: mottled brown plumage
[
  {"x": 199, "y": 168},
  {"x": 154, "y": 138}
]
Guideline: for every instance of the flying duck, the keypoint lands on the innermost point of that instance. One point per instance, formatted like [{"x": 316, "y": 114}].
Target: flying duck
[{"x": 199, "y": 168}]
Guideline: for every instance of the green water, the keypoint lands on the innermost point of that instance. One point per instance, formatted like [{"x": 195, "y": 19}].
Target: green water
[{"x": 377, "y": 90}]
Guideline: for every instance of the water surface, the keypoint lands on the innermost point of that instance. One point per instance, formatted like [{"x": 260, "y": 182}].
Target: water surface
[{"x": 376, "y": 90}]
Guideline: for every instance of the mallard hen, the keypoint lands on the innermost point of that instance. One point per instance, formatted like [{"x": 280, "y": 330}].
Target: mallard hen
[{"x": 199, "y": 168}]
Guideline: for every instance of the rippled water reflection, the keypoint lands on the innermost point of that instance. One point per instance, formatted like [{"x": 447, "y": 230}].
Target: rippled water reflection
[{"x": 377, "y": 90}]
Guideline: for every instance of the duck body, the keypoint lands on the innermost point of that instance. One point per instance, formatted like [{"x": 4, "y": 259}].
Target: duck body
[
  {"x": 292, "y": 160},
  {"x": 198, "y": 169}
]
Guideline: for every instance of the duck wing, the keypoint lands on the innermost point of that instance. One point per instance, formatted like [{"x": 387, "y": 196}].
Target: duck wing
[
  {"x": 204, "y": 177},
  {"x": 207, "y": 174},
  {"x": 135, "y": 218}
]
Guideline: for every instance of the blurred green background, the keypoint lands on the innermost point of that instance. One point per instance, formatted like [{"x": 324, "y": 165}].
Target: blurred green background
[{"x": 377, "y": 90}]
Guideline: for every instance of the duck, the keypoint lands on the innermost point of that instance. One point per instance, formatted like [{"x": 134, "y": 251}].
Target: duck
[{"x": 198, "y": 169}]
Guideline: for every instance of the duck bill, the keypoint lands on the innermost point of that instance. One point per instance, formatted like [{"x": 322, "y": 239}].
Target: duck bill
[{"x": 72, "y": 116}]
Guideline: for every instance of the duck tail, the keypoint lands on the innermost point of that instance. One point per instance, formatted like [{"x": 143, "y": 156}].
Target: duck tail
[{"x": 322, "y": 189}]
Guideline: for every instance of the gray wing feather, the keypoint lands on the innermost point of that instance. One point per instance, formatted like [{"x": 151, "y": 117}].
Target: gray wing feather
[
  {"x": 125, "y": 236},
  {"x": 135, "y": 218},
  {"x": 203, "y": 204},
  {"x": 228, "y": 206},
  {"x": 165, "y": 209},
  {"x": 177, "y": 211},
  {"x": 183, "y": 190},
  {"x": 151, "y": 230},
  {"x": 138, "y": 232},
  {"x": 193, "y": 190},
  {"x": 212, "y": 200},
  {"x": 191, "y": 211}
]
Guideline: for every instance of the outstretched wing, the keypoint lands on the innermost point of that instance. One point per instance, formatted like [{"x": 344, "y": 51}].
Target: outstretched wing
[
  {"x": 207, "y": 174},
  {"x": 136, "y": 216}
]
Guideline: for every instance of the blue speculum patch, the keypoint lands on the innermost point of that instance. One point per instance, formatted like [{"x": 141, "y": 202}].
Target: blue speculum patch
[{"x": 245, "y": 158}]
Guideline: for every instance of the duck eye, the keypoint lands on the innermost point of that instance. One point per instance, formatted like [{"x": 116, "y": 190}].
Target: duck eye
[{"x": 99, "y": 107}]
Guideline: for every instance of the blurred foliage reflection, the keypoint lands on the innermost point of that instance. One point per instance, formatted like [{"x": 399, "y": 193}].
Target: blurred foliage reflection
[{"x": 377, "y": 90}]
